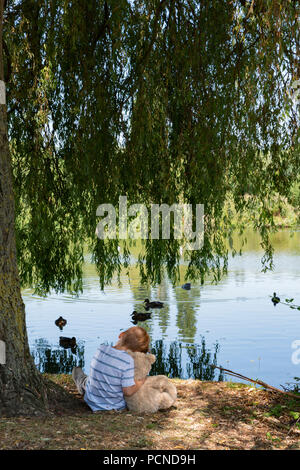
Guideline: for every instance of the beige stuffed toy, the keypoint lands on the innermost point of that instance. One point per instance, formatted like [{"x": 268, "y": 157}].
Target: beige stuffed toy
[{"x": 157, "y": 393}]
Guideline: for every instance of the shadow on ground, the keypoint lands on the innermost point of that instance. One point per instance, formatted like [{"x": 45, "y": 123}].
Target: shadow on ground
[{"x": 208, "y": 415}]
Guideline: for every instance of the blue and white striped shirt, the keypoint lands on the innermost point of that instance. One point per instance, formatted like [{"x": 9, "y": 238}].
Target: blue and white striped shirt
[{"x": 111, "y": 370}]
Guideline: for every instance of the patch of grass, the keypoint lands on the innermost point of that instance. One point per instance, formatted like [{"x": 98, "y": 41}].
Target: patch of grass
[
  {"x": 151, "y": 426},
  {"x": 272, "y": 438},
  {"x": 236, "y": 385},
  {"x": 275, "y": 411},
  {"x": 290, "y": 407},
  {"x": 230, "y": 409}
]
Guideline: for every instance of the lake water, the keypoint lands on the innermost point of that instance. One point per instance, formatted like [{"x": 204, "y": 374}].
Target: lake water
[{"x": 233, "y": 324}]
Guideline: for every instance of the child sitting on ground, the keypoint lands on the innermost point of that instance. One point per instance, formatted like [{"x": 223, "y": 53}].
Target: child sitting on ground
[{"x": 112, "y": 372}]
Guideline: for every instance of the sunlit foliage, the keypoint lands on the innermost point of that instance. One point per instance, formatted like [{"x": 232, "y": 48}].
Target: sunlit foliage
[{"x": 163, "y": 101}]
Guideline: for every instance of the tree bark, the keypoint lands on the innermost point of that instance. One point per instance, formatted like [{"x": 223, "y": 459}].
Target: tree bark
[{"x": 22, "y": 389}]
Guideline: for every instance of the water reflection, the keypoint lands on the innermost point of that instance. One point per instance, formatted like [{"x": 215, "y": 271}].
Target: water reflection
[
  {"x": 201, "y": 363},
  {"x": 51, "y": 360},
  {"x": 175, "y": 360},
  {"x": 236, "y": 313},
  {"x": 198, "y": 361},
  {"x": 187, "y": 303},
  {"x": 161, "y": 292}
]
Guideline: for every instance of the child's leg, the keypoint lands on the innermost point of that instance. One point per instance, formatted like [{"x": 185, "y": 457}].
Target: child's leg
[{"x": 79, "y": 378}]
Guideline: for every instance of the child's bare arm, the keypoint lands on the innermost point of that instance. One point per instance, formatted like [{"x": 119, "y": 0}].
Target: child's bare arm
[{"x": 128, "y": 391}]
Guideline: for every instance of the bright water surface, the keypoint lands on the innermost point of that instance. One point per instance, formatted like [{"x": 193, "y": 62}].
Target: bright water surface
[{"x": 233, "y": 324}]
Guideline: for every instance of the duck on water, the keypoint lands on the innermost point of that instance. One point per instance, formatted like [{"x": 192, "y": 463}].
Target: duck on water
[
  {"x": 154, "y": 304},
  {"x": 140, "y": 316}
]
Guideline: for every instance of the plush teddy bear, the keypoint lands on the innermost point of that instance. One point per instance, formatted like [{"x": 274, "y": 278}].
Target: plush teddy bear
[{"x": 157, "y": 393}]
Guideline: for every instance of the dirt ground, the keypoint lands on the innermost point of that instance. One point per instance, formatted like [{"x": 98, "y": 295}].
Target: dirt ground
[{"x": 207, "y": 415}]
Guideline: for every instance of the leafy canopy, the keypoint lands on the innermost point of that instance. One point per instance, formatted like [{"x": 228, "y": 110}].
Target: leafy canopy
[{"x": 162, "y": 101}]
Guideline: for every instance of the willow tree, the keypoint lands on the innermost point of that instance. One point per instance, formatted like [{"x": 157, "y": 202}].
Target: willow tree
[{"x": 162, "y": 101}]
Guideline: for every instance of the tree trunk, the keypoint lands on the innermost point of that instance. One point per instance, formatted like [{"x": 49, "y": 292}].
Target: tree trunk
[{"x": 22, "y": 389}]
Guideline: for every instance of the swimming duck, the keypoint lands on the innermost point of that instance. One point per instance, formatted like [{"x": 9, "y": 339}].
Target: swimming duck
[
  {"x": 140, "y": 316},
  {"x": 275, "y": 299},
  {"x": 67, "y": 342},
  {"x": 186, "y": 286},
  {"x": 60, "y": 322},
  {"x": 154, "y": 304}
]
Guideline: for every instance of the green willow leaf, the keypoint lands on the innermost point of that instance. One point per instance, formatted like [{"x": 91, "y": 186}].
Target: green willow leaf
[{"x": 161, "y": 101}]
